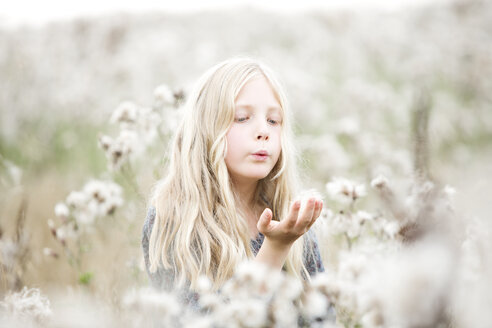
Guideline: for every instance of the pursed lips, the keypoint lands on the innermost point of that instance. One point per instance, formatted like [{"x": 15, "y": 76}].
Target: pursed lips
[{"x": 261, "y": 153}]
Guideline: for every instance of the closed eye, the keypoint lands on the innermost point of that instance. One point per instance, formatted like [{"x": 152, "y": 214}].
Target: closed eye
[{"x": 241, "y": 119}]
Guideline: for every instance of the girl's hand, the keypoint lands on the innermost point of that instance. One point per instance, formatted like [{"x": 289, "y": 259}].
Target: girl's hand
[{"x": 283, "y": 233}]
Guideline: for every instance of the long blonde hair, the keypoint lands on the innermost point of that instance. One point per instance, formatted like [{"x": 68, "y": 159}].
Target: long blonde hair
[{"x": 198, "y": 229}]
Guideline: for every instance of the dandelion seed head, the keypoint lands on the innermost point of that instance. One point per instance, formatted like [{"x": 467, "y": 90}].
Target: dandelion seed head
[
  {"x": 164, "y": 95},
  {"x": 51, "y": 224},
  {"x": 315, "y": 304},
  {"x": 328, "y": 284},
  {"x": 125, "y": 146},
  {"x": 27, "y": 304},
  {"x": 61, "y": 233},
  {"x": 125, "y": 113},
  {"x": 76, "y": 199},
  {"x": 288, "y": 288},
  {"x": 62, "y": 211},
  {"x": 345, "y": 191},
  {"x": 353, "y": 264},
  {"x": 147, "y": 299},
  {"x": 348, "y": 126},
  {"x": 449, "y": 191},
  {"x": 284, "y": 313},
  {"x": 250, "y": 312},
  {"x": 105, "y": 142},
  {"x": 416, "y": 281},
  {"x": 372, "y": 319},
  {"x": 326, "y": 213},
  {"x": 391, "y": 228},
  {"x": 379, "y": 182},
  {"x": 203, "y": 285},
  {"x": 50, "y": 252}
]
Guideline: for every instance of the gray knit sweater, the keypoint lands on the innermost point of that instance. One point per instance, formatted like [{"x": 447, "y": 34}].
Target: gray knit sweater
[{"x": 161, "y": 279}]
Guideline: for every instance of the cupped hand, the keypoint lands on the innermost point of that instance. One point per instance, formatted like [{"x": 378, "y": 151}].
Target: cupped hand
[{"x": 285, "y": 232}]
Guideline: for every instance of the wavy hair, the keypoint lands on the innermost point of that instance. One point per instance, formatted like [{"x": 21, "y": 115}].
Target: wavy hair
[{"x": 198, "y": 229}]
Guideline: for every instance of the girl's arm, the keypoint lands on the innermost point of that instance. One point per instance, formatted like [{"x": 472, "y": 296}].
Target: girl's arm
[{"x": 280, "y": 235}]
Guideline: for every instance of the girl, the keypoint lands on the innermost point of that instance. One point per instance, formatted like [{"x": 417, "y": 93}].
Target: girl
[{"x": 232, "y": 180}]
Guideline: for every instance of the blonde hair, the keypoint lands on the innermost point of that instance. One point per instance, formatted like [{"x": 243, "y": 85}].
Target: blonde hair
[{"x": 198, "y": 229}]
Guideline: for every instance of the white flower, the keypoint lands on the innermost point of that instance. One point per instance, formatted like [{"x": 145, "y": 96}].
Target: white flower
[
  {"x": 123, "y": 147},
  {"x": 449, "y": 191},
  {"x": 250, "y": 277},
  {"x": 51, "y": 224},
  {"x": 203, "y": 284},
  {"x": 164, "y": 95},
  {"x": 315, "y": 305},
  {"x": 98, "y": 198},
  {"x": 327, "y": 283},
  {"x": 391, "y": 228},
  {"x": 416, "y": 280},
  {"x": 49, "y": 252},
  {"x": 62, "y": 211},
  {"x": 125, "y": 113},
  {"x": 105, "y": 142},
  {"x": 348, "y": 126},
  {"x": 60, "y": 234},
  {"x": 149, "y": 300},
  {"x": 249, "y": 312},
  {"x": 148, "y": 121},
  {"x": 363, "y": 216},
  {"x": 379, "y": 182},
  {"x": 77, "y": 199},
  {"x": 352, "y": 265},
  {"x": 28, "y": 303},
  {"x": 345, "y": 191},
  {"x": 285, "y": 314},
  {"x": 289, "y": 288}
]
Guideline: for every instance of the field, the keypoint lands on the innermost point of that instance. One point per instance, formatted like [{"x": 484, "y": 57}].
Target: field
[{"x": 393, "y": 120}]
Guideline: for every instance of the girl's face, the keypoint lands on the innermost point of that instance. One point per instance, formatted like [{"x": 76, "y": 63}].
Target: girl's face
[{"x": 253, "y": 140}]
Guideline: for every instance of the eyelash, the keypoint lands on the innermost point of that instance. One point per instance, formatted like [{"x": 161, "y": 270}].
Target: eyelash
[{"x": 242, "y": 119}]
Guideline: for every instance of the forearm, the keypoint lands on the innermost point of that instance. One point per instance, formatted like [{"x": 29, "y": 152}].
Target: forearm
[{"x": 273, "y": 254}]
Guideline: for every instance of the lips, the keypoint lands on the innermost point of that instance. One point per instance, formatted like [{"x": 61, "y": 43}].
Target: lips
[{"x": 261, "y": 153}]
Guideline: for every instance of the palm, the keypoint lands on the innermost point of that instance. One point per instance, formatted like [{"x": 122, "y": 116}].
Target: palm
[{"x": 294, "y": 225}]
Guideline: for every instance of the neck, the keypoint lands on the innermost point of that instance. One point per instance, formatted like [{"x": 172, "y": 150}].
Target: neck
[{"x": 246, "y": 192}]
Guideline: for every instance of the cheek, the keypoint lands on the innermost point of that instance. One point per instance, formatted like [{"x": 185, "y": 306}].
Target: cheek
[{"x": 233, "y": 139}]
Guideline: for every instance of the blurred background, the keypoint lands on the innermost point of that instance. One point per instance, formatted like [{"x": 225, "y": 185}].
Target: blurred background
[{"x": 358, "y": 74}]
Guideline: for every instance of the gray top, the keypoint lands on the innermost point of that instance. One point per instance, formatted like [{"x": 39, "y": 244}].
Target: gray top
[{"x": 163, "y": 279}]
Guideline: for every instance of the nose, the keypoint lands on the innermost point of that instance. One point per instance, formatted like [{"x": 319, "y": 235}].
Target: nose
[
  {"x": 262, "y": 133},
  {"x": 261, "y": 136}
]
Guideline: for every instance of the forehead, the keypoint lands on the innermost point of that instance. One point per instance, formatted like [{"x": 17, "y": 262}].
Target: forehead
[
  {"x": 257, "y": 92},
  {"x": 251, "y": 107}
]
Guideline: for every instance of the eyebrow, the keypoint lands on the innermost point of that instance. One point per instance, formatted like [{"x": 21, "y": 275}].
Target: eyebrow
[{"x": 248, "y": 106}]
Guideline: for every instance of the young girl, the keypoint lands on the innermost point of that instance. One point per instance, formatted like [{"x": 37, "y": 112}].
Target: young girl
[{"x": 229, "y": 193}]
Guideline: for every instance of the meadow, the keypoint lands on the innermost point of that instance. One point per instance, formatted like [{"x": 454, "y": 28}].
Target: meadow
[{"x": 393, "y": 120}]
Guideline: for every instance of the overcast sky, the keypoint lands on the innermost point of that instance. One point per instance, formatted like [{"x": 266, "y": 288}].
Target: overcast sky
[{"x": 13, "y": 13}]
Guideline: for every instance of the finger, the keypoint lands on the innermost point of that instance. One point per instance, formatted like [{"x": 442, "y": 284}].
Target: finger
[
  {"x": 306, "y": 215},
  {"x": 319, "y": 208},
  {"x": 264, "y": 220},
  {"x": 291, "y": 219},
  {"x": 317, "y": 213}
]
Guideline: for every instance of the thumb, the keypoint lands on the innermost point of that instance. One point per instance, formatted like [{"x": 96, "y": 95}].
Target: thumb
[{"x": 264, "y": 221}]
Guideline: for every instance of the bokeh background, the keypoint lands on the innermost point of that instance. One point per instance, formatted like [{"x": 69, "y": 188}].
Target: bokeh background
[{"x": 355, "y": 77}]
